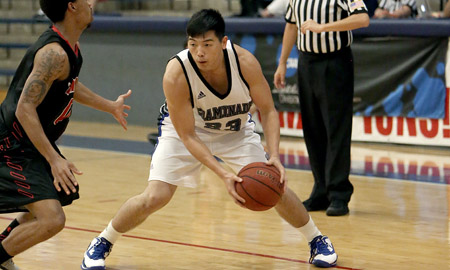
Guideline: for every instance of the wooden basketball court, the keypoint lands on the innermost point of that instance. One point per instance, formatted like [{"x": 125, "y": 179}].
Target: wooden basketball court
[{"x": 393, "y": 223}]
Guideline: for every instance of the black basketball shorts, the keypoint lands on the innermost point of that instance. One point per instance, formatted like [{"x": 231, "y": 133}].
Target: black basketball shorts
[{"x": 26, "y": 177}]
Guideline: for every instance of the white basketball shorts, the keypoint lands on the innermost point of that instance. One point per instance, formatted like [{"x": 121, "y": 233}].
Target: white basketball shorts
[{"x": 172, "y": 162}]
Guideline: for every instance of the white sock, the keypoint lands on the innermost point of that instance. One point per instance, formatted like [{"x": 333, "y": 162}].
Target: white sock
[
  {"x": 110, "y": 233},
  {"x": 310, "y": 230}
]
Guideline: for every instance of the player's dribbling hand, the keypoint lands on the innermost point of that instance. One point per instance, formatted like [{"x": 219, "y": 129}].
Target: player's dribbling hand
[
  {"x": 63, "y": 175},
  {"x": 277, "y": 163},
  {"x": 230, "y": 180}
]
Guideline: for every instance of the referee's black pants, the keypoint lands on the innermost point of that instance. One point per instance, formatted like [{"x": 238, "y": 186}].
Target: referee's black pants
[{"x": 326, "y": 99}]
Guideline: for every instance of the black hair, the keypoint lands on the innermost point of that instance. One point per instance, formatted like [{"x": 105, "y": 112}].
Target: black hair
[
  {"x": 205, "y": 20},
  {"x": 55, "y": 10}
]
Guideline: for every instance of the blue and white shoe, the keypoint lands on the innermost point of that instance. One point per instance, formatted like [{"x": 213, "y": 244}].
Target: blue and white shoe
[
  {"x": 94, "y": 257},
  {"x": 322, "y": 252}
]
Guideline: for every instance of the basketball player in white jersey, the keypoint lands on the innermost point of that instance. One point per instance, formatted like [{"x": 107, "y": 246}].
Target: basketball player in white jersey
[{"x": 209, "y": 89}]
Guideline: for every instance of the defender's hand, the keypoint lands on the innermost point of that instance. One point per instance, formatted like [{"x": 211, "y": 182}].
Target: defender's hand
[
  {"x": 63, "y": 175},
  {"x": 119, "y": 109}
]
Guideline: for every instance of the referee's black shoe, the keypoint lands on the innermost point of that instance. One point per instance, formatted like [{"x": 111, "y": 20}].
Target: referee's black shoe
[
  {"x": 316, "y": 204},
  {"x": 337, "y": 208}
]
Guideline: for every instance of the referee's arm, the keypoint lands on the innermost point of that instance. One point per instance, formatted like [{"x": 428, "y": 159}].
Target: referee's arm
[
  {"x": 354, "y": 21},
  {"x": 289, "y": 39}
]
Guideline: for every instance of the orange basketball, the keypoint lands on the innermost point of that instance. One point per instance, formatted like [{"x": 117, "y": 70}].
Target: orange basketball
[{"x": 261, "y": 187}]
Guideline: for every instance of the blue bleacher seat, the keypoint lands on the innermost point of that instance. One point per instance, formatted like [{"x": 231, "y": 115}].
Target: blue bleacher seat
[{"x": 32, "y": 22}]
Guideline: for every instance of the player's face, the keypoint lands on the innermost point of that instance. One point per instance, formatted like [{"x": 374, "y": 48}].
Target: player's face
[
  {"x": 85, "y": 15},
  {"x": 207, "y": 50}
]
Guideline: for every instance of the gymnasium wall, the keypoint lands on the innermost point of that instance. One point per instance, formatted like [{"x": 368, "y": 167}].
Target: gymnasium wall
[
  {"x": 116, "y": 62},
  {"x": 123, "y": 53}
]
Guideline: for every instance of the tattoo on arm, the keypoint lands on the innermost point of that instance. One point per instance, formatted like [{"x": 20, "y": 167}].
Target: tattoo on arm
[
  {"x": 34, "y": 92},
  {"x": 51, "y": 65},
  {"x": 48, "y": 68}
]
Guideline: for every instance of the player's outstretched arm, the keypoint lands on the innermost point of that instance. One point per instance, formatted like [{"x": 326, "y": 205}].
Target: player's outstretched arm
[
  {"x": 85, "y": 96},
  {"x": 51, "y": 63}
]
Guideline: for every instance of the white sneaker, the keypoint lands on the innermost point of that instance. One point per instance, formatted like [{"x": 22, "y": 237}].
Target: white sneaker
[
  {"x": 322, "y": 252},
  {"x": 9, "y": 265},
  {"x": 94, "y": 257}
]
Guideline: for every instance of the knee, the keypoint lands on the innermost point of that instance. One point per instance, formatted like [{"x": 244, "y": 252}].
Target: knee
[
  {"x": 152, "y": 202},
  {"x": 52, "y": 224},
  {"x": 156, "y": 196}
]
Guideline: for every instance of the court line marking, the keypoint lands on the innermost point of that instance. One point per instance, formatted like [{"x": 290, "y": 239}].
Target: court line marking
[
  {"x": 208, "y": 247},
  {"x": 200, "y": 246}
]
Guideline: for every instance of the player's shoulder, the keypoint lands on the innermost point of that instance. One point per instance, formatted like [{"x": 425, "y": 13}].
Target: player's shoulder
[
  {"x": 173, "y": 67},
  {"x": 174, "y": 71},
  {"x": 52, "y": 60},
  {"x": 245, "y": 57},
  {"x": 241, "y": 52},
  {"x": 52, "y": 51},
  {"x": 247, "y": 62}
]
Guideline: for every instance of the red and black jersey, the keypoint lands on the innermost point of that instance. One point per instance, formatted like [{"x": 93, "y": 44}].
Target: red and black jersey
[{"x": 56, "y": 108}]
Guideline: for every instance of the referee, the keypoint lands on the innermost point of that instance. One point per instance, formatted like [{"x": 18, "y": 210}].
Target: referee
[{"x": 322, "y": 29}]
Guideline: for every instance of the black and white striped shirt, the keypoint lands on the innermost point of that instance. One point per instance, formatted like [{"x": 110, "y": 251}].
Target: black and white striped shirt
[{"x": 323, "y": 11}]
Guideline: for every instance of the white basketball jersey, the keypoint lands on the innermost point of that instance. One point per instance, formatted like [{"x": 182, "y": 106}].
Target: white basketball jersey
[{"x": 214, "y": 112}]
